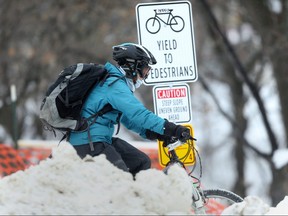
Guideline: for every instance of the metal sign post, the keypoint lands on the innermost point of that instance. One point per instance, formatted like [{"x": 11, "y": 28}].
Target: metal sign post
[
  {"x": 14, "y": 114},
  {"x": 166, "y": 29}
]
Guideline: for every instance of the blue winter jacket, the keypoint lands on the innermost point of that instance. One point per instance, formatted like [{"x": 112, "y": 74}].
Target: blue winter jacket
[{"x": 134, "y": 116}]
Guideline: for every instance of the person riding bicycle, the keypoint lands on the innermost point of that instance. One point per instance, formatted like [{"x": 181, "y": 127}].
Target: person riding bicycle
[{"x": 132, "y": 67}]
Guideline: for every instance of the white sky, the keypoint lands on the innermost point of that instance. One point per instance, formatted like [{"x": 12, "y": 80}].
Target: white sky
[{"x": 68, "y": 185}]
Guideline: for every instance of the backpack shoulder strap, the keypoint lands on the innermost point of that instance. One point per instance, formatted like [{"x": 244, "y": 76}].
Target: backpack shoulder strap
[
  {"x": 105, "y": 109},
  {"x": 104, "y": 79},
  {"x": 118, "y": 77},
  {"x": 118, "y": 122}
]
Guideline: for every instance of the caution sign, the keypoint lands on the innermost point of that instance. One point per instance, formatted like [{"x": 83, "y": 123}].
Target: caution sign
[
  {"x": 173, "y": 103},
  {"x": 185, "y": 153}
]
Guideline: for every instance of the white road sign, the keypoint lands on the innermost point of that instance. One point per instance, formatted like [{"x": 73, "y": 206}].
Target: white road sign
[
  {"x": 173, "y": 103},
  {"x": 166, "y": 29}
]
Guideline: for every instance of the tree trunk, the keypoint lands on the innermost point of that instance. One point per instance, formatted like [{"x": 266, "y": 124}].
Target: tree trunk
[
  {"x": 279, "y": 61},
  {"x": 239, "y": 103},
  {"x": 279, "y": 186}
]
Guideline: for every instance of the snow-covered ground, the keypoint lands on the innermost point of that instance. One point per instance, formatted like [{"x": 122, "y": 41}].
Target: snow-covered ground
[{"x": 68, "y": 185}]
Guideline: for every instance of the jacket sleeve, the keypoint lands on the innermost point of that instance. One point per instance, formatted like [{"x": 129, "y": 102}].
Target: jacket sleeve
[
  {"x": 134, "y": 127},
  {"x": 136, "y": 116}
]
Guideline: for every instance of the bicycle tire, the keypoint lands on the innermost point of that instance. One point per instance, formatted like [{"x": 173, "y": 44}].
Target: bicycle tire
[
  {"x": 216, "y": 200},
  {"x": 150, "y": 28},
  {"x": 223, "y": 194},
  {"x": 174, "y": 23}
]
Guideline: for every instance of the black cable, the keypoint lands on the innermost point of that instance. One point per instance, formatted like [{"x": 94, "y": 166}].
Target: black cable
[{"x": 200, "y": 163}]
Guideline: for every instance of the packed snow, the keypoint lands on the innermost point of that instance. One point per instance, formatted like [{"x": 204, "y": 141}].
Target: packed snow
[{"x": 67, "y": 185}]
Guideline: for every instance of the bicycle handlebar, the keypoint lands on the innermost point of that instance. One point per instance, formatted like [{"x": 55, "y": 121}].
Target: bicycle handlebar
[
  {"x": 186, "y": 134},
  {"x": 174, "y": 142},
  {"x": 172, "y": 146}
]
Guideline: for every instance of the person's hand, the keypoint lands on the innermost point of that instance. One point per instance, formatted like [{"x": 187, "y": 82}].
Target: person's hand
[{"x": 182, "y": 133}]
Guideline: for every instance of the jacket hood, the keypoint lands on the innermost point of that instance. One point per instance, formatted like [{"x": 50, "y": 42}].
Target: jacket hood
[{"x": 113, "y": 70}]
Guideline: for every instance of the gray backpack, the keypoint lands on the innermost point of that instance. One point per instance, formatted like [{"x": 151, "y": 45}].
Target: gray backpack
[{"x": 61, "y": 108}]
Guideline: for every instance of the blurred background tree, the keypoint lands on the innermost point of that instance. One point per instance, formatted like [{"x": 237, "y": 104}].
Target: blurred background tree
[{"x": 39, "y": 38}]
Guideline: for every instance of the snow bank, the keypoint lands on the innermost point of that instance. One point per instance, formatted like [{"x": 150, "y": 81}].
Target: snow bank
[
  {"x": 68, "y": 185},
  {"x": 250, "y": 206},
  {"x": 253, "y": 205},
  {"x": 280, "y": 209}
]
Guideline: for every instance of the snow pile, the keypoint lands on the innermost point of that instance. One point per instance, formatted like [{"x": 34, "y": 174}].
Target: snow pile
[
  {"x": 280, "y": 209},
  {"x": 68, "y": 185},
  {"x": 251, "y": 205}
]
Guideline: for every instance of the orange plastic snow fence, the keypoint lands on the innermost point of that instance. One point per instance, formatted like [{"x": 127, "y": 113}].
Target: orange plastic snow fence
[{"x": 10, "y": 161}]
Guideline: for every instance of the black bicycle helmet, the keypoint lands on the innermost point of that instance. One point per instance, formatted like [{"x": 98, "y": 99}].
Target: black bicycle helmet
[{"x": 132, "y": 58}]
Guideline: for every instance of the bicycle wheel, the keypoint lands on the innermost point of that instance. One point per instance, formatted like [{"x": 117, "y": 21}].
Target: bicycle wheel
[
  {"x": 177, "y": 24},
  {"x": 153, "y": 25},
  {"x": 218, "y": 199}
]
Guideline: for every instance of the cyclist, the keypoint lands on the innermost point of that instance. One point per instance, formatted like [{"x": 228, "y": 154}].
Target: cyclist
[{"x": 132, "y": 67}]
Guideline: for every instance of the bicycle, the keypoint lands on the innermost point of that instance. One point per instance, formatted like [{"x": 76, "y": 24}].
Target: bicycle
[
  {"x": 176, "y": 23},
  {"x": 200, "y": 197}
]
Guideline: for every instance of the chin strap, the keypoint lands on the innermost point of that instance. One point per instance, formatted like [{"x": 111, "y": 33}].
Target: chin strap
[{"x": 131, "y": 70}]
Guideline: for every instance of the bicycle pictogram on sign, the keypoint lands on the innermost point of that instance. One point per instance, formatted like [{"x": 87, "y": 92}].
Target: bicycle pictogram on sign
[{"x": 176, "y": 23}]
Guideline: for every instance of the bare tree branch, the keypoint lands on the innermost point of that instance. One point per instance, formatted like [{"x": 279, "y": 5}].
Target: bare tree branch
[
  {"x": 239, "y": 67},
  {"x": 234, "y": 124}
]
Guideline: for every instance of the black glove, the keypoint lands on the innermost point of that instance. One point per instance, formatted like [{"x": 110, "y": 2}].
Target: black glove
[
  {"x": 151, "y": 135},
  {"x": 179, "y": 131}
]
